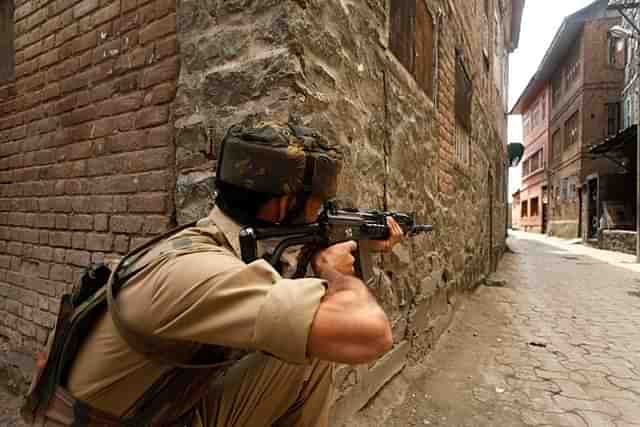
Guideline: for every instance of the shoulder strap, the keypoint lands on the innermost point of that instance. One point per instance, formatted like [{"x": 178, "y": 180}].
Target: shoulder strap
[{"x": 161, "y": 350}]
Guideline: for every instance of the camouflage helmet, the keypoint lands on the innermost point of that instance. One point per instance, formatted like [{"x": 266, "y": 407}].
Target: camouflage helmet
[{"x": 279, "y": 159}]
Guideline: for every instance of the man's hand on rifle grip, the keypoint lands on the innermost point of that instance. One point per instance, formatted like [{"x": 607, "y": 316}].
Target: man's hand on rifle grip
[
  {"x": 395, "y": 236},
  {"x": 338, "y": 257}
]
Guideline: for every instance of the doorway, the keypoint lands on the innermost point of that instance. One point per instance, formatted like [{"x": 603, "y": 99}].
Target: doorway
[{"x": 592, "y": 208}]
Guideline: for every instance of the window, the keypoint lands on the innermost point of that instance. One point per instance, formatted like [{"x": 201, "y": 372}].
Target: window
[
  {"x": 464, "y": 92},
  {"x": 613, "y": 118},
  {"x": 572, "y": 187},
  {"x": 534, "y": 207},
  {"x": 463, "y": 145},
  {"x": 571, "y": 129},
  {"x": 556, "y": 144},
  {"x": 411, "y": 40},
  {"x": 525, "y": 168},
  {"x": 7, "y": 35},
  {"x": 616, "y": 49},
  {"x": 523, "y": 210},
  {"x": 571, "y": 74},
  {"x": 564, "y": 189}
]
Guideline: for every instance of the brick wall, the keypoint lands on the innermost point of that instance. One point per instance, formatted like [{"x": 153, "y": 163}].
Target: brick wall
[{"x": 86, "y": 148}]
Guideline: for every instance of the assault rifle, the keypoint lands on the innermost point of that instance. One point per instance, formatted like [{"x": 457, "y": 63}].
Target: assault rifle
[{"x": 333, "y": 226}]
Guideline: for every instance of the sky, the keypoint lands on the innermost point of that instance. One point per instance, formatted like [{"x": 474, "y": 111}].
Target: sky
[{"x": 540, "y": 21}]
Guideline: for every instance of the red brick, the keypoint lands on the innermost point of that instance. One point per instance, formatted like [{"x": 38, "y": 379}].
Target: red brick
[
  {"x": 75, "y": 82},
  {"x": 85, "y": 60},
  {"x": 147, "y": 203},
  {"x": 65, "y": 104},
  {"x": 165, "y": 71},
  {"x": 24, "y": 10},
  {"x": 147, "y": 13},
  {"x": 86, "y": 41},
  {"x": 155, "y": 224},
  {"x": 60, "y": 273},
  {"x": 50, "y": 91},
  {"x": 101, "y": 222},
  {"x": 59, "y": 254},
  {"x": 102, "y": 71},
  {"x": 152, "y": 116},
  {"x": 29, "y": 84},
  {"x": 126, "y": 224},
  {"x": 84, "y": 7},
  {"x": 121, "y": 244},
  {"x": 81, "y": 150},
  {"x": 120, "y": 104},
  {"x": 52, "y": 25},
  {"x": 103, "y": 91},
  {"x": 106, "y": 51},
  {"x": 115, "y": 185},
  {"x": 153, "y": 181},
  {"x": 67, "y": 33},
  {"x": 62, "y": 221},
  {"x": 81, "y": 115},
  {"x": 128, "y": 5},
  {"x": 79, "y": 240},
  {"x": 160, "y": 94},
  {"x": 33, "y": 50},
  {"x": 129, "y": 82},
  {"x": 125, "y": 24},
  {"x": 99, "y": 242},
  {"x": 84, "y": 98},
  {"x": 81, "y": 222},
  {"x": 107, "y": 13},
  {"x": 164, "y": 6},
  {"x": 158, "y": 29},
  {"x": 27, "y": 68},
  {"x": 60, "y": 239},
  {"x": 78, "y": 258}
]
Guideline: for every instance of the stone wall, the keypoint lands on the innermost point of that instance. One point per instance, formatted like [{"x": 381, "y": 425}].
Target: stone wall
[
  {"x": 86, "y": 150},
  {"x": 109, "y": 134},
  {"x": 327, "y": 64},
  {"x": 617, "y": 240}
]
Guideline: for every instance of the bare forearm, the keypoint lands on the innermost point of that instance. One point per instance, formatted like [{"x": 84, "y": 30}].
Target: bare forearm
[{"x": 350, "y": 327}]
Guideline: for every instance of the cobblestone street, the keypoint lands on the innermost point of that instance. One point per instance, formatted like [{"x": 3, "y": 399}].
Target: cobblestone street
[{"x": 558, "y": 345}]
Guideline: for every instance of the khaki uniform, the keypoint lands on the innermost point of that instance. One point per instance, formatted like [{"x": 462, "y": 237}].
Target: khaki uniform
[{"x": 202, "y": 293}]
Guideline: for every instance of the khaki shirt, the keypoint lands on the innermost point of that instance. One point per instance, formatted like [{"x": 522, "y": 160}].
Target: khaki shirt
[{"x": 201, "y": 293}]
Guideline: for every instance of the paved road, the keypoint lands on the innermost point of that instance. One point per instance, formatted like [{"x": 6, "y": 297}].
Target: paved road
[{"x": 557, "y": 345}]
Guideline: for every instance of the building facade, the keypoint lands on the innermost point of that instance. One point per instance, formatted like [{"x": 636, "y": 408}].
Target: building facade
[
  {"x": 533, "y": 190},
  {"x": 111, "y": 114},
  {"x": 584, "y": 78}
]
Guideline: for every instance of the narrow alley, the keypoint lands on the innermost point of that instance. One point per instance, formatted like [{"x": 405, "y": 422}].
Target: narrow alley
[{"x": 554, "y": 342}]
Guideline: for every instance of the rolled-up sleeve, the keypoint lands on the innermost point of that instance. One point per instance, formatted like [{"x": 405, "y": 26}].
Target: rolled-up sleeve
[
  {"x": 214, "y": 298},
  {"x": 284, "y": 320}
]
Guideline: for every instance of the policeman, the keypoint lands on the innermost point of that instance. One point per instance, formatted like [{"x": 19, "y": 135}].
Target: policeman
[{"x": 192, "y": 290}]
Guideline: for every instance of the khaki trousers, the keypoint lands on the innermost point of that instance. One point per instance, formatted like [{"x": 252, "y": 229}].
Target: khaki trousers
[{"x": 262, "y": 391}]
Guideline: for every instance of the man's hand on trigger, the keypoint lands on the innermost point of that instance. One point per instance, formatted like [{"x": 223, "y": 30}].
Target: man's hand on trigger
[
  {"x": 337, "y": 258},
  {"x": 395, "y": 236}
]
